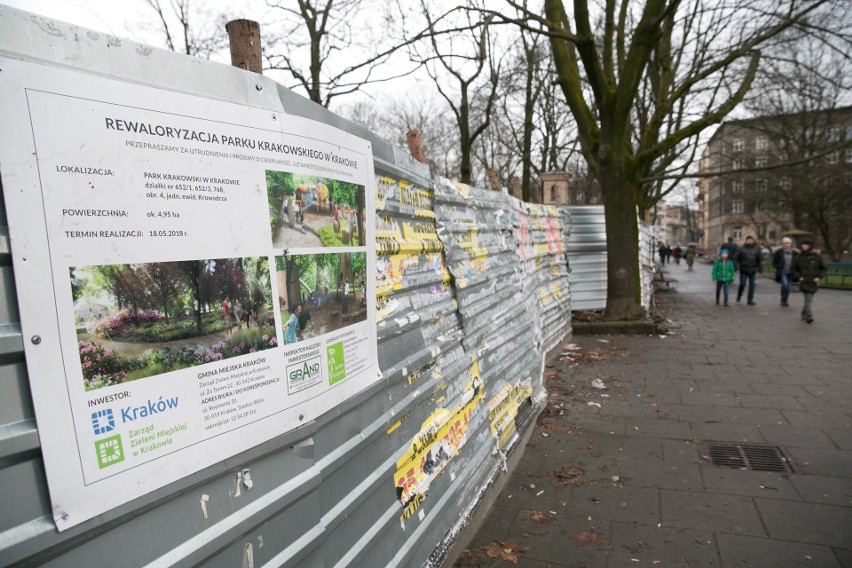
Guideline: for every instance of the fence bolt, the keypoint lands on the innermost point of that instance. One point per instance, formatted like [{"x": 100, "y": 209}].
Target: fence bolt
[{"x": 36, "y": 339}]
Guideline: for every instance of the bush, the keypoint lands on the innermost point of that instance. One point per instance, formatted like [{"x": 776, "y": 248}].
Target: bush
[
  {"x": 123, "y": 322},
  {"x": 330, "y": 239},
  {"x": 102, "y": 367}
]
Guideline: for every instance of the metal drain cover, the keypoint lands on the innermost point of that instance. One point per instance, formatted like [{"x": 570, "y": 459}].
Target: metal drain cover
[{"x": 748, "y": 456}]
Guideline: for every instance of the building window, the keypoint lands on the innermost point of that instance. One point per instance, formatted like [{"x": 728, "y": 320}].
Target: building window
[
  {"x": 738, "y": 206},
  {"x": 737, "y": 233},
  {"x": 761, "y": 143},
  {"x": 760, "y": 185},
  {"x": 786, "y": 183},
  {"x": 773, "y": 235},
  {"x": 738, "y": 144},
  {"x": 849, "y": 155},
  {"x": 832, "y": 157},
  {"x": 849, "y": 132},
  {"x": 738, "y": 164},
  {"x": 737, "y": 187},
  {"x": 834, "y": 134},
  {"x": 758, "y": 205},
  {"x": 760, "y": 162}
]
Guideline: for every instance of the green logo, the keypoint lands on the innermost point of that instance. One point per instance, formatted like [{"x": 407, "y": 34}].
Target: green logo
[
  {"x": 336, "y": 368},
  {"x": 109, "y": 451}
]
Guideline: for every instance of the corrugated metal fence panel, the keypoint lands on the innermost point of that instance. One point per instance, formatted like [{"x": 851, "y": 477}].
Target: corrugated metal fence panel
[
  {"x": 587, "y": 257},
  {"x": 498, "y": 318},
  {"x": 552, "y": 287},
  {"x": 646, "y": 264}
]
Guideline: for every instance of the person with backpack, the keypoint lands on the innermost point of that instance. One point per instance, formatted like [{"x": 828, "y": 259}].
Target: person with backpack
[{"x": 723, "y": 274}]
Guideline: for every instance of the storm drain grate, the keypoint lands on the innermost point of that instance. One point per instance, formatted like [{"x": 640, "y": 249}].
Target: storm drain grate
[{"x": 753, "y": 457}]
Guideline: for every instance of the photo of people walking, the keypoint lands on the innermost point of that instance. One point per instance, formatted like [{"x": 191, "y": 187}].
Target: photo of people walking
[{"x": 319, "y": 293}]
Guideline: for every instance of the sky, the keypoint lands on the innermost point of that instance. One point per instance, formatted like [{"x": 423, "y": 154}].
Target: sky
[{"x": 125, "y": 18}]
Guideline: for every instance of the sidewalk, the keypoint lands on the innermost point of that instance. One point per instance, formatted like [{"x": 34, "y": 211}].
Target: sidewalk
[{"x": 632, "y": 484}]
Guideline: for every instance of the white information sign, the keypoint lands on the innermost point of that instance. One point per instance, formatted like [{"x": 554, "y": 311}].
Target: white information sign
[{"x": 191, "y": 274}]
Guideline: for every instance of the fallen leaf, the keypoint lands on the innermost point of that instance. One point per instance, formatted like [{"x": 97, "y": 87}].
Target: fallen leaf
[
  {"x": 586, "y": 538},
  {"x": 549, "y": 374},
  {"x": 569, "y": 474},
  {"x": 506, "y": 550},
  {"x": 540, "y": 517}
]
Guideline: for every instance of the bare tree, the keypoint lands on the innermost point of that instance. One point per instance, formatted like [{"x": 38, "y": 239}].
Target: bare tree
[
  {"x": 465, "y": 73},
  {"x": 694, "y": 60},
  {"x": 189, "y": 29}
]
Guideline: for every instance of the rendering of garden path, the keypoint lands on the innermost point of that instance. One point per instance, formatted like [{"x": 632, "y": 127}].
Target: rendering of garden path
[{"x": 137, "y": 349}]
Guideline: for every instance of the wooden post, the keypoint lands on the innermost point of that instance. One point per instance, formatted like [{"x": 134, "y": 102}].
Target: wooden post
[
  {"x": 244, "y": 37},
  {"x": 493, "y": 177},
  {"x": 415, "y": 146}
]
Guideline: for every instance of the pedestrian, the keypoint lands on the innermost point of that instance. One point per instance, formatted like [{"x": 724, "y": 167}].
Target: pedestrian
[
  {"x": 808, "y": 270},
  {"x": 238, "y": 313},
  {"x": 723, "y": 274},
  {"x": 292, "y": 329},
  {"x": 662, "y": 252},
  {"x": 227, "y": 314},
  {"x": 677, "y": 254},
  {"x": 782, "y": 260},
  {"x": 731, "y": 246},
  {"x": 345, "y": 308},
  {"x": 748, "y": 262},
  {"x": 668, "y": 254},
  {"x": 690, "y": 256}
]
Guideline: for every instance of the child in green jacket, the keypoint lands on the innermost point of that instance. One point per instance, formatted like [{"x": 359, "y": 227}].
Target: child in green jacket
[{"x": 723, "y": 274}]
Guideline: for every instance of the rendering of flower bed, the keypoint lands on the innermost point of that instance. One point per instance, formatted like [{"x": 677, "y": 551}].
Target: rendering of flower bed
[
  {"x": 105, "y": 367},
  {"x": 331, "y": 239}
]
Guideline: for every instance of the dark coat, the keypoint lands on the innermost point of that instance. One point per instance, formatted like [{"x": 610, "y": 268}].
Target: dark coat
[
  {"x": 778, "y": 260},
  {"x": 748, "y": 260},
  {"x": 807, "y": 267},
  {"x": 731, "y": 247}
]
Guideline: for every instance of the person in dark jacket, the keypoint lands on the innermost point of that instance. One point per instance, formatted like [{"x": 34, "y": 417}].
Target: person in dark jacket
[
  {"x": 782, "y": 260},
  {"x": 662, "y": 251},
  {"x": 731, "y": 246},
  {"x": 808, "y": 270},
  {"x": 748, "y": 261}
]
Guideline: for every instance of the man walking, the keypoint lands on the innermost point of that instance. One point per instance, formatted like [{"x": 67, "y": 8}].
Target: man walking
[
  {"x": 345, "y": 309},
  {"x": 662, "y": 251},
  {"x": 808, "y": 269},
  {"x": 748, "y": 261},
  {"x": 731, "y": 246},
  {"x": 783, "y": 263}
]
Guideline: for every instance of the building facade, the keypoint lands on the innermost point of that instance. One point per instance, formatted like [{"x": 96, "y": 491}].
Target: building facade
[{"x": 776, "y": 176}]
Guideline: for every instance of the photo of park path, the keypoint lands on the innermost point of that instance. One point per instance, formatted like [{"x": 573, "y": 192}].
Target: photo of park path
[
  {"x": 139, "y": 320},
  {"x": 309, "y": 211},
  {"x": 320, "y": 293}
]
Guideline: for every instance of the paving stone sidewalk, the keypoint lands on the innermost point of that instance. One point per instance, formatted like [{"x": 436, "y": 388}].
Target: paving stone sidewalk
[{"x": 631, "y": 483}]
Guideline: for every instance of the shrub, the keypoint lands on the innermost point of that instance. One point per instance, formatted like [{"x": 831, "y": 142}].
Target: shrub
[
  {"x": 123, "y": 322},
  {"x": 102, "y": 367}
]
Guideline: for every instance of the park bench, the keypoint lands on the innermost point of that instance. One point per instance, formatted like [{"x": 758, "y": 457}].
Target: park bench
[
  {"x": 838, "y": 274},
  {"x": 662, "y": 281}
]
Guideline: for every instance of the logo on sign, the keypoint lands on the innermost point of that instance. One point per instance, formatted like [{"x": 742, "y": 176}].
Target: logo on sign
[
  {"x": 103, "y": 421},
  {"x": 109, "y": 451}
]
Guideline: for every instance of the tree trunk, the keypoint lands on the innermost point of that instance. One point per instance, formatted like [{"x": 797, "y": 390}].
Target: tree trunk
[
  {"x": 465, "y": 168},
  {"x": 623, "y": 295},
  {"x": 359, "y": 209}
]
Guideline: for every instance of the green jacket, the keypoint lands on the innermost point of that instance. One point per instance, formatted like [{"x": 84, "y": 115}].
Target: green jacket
[{"x": 723, "y": 271}]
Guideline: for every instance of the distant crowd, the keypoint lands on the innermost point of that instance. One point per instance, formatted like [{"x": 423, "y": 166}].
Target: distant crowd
[{"x": 803, "y": 267}]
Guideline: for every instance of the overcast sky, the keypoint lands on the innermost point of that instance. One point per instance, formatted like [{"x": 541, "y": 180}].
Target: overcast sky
[{"x": 131, "y": 19}]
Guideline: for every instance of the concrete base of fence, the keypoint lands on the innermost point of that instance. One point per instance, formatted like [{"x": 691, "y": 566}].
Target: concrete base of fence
[
  {"x": 490, "y": 496},
  {"x": 615, "y": 328}
]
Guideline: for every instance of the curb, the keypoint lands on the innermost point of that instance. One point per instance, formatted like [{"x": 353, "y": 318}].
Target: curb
[{"x": 615, "y": 328}]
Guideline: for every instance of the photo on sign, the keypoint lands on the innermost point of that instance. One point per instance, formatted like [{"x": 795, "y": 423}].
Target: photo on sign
[
  {"x": 319, "y": 293},
  {"x": 309, "y": 211},
  {"x": 140, "y": 320}
]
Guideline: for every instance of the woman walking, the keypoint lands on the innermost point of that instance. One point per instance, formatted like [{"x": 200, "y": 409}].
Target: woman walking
[{"x": 723, "y": 274}]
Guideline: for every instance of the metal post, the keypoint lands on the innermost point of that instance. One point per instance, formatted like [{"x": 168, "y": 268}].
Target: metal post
[{"x": 244, "y": 37}]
